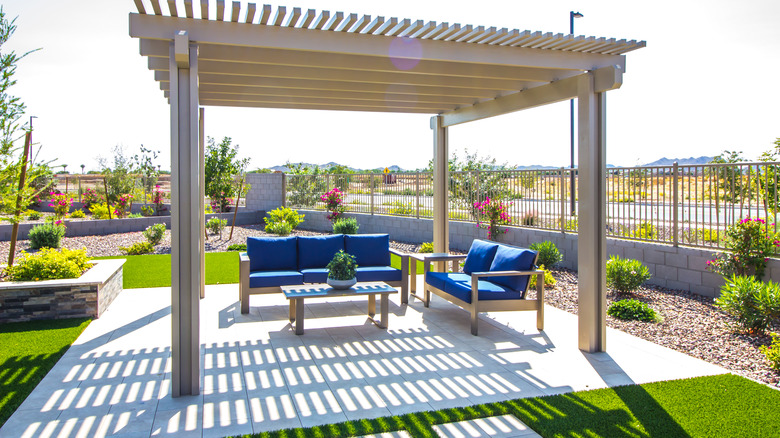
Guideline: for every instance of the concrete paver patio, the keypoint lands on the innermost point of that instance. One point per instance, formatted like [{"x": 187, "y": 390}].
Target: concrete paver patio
[{"x": 259, "y": 376}]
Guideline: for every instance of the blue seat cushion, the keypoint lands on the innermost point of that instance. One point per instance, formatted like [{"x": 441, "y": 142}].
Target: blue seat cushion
[
  {"x": 368, "y": 249},
  {"x": 315, "y": 275},
  {"x": 480, "y": 256},
  {"x": 318, "y": 251},
  {"x": 272, "y": 253},
  {"x": 459, "y": 286},
  {"x": 513, "y": 259},
  {"x": 378, "y": 273},
  {"x": 274, "y": 278}
]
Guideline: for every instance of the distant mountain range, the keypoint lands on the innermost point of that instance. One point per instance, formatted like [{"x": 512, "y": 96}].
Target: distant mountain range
[{"x": 661, "y": 162}]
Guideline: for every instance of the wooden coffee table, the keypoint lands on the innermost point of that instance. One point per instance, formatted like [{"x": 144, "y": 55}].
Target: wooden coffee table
[{"x": 296, "y": 294}]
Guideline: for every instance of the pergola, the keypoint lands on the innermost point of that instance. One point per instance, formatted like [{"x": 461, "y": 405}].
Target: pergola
[{"x": 207, "y": 54}]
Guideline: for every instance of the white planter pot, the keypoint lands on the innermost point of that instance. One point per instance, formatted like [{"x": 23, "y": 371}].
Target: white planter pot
[{"x": 341, "y": 284}]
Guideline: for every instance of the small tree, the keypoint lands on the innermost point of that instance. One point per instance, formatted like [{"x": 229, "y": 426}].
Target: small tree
[
  {"x": 119, "y": 179},
  {"x": 222, "y": 167},
  {"x": 144, "y": 165}
]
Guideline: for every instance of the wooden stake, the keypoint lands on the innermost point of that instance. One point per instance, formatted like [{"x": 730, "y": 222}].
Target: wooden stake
[
  {"x": 108, "y": 202},
  {"x": 235, "y": 210}
]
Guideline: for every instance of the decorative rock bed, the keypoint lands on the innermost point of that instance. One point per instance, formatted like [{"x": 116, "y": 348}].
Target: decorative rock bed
[{"x": 86, "y": 296}]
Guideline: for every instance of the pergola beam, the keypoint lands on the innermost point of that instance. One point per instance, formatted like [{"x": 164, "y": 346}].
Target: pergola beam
[
  {"x": 606, "y": 78},
  {"x": 267, "y": 56},
  {"x": 327, "y": 107},
  {"x": 242, "y": 34}
]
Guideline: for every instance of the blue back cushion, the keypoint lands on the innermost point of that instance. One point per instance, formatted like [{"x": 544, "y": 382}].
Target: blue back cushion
[
  {"x": 513, "y": 259},
  {"x": 272, "y": 253},
  {"x": 317, "y": 251},
  {"x": 368, "y": 249},
  {"x": 480, "y": 256}
]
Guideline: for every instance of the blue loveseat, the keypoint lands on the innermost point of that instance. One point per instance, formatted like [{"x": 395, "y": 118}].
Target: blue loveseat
[
  {"x": 272, "y": 262},
  {"x": 495, "y": 277}
]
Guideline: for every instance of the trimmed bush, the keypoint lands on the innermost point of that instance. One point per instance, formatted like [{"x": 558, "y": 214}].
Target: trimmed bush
[
  {"x": 99, "y": 211},
  {"x": 645, "y": 230},
  {"x": 772, "y": 352},
  {"x": 33, "y": 215},
  {"x": 626, "y": 275},
  {"x": 548, "y": 253},
  {"x": 237, "y": 247},
  {"x": 426, "y": 247},
  {"x": 345, "y": 225},
  {"x": 78, "y": 214},
  {"x": 47, "y": 235},
  {"x": 138, "y": 248},
  {"x": 49, "y": 264},
  {"x": 216, "y": 225},
  {"x": 753, "y": 303},
  {"x": 154, "y": 233},
  {"x": 282, "y": 221},
  {"x": 549, "y": 280},
  {"x": 632, "y": 310}
]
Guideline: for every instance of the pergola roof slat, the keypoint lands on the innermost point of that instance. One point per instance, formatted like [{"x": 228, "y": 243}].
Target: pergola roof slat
[
  {"x": 347, "y": 23},
  {"x": 172, "y": 8},
  {"x": 204, "y": 9},
  {"x": 265, "y": 14},
  {"x": 385, "y": 26},
  {"x": 361, "y": 23},
  {"x": 320, "y": 20},
  {"x": 293, "y": 18},
  {"x": 281, "y": 11},
  {"x": 308, "y": 17},
  {"x": 373, "y": 25},
  {"x": 399, "y": 28},
  {"x": 334, "y": 21},
  {"x": 156, "y": 7},
  {"x": 236, "y": 10},
  {"x": 250, "y": 13},
  {"x": 447, "y": 32},
  {"x": 139, "y": 5},
  {"x": 220, "y": 10}
]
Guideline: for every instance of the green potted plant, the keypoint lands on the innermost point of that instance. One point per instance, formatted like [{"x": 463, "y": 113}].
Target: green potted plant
[{"x": 342, "y": 270}]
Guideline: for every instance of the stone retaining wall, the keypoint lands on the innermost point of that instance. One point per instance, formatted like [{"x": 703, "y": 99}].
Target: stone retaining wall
[
  {"x": 679, "y": 268},
  {"x": 85, "y": 297},
  {"x": 89, "y": 227}
]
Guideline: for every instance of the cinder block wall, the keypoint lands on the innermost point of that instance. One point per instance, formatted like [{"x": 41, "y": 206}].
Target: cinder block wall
[{"x": 267, "y": 192}]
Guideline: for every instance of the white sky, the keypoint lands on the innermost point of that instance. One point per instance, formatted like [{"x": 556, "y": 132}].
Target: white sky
[{"x": 707, "y": 81}]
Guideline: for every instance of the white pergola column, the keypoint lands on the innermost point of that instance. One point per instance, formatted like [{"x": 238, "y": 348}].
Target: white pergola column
[
  {"x": 201, "y": 198},
  {"x": 441, "y": 176},
  {"x": 592, "y": 241},
  {"x": 185, "y": 218}
]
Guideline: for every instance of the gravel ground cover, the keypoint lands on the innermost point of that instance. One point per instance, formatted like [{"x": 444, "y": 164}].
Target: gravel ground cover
[{"x": 691, "y": 323}]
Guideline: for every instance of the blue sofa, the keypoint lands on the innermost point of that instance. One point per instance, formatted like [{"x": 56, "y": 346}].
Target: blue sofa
[
  {"x": 272, "y": 262},
  {"x": 495, "y": 277}
]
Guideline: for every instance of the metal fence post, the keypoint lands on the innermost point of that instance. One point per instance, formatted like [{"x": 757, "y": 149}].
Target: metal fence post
[
  {"x": 284, "y": 190},
  {"x": 417, "y": 193},
  {"x": 563, "y": 201},
  {"x": 371, "y": 191},
  {"x": 675, "y": 210}
]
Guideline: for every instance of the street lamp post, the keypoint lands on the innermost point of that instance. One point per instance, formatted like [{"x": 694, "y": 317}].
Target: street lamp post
[{"x": 572, "y": 195}]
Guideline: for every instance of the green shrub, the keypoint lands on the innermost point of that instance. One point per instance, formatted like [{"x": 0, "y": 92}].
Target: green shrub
[
  {"x": 548, "y": 253},
  {"x": 571, "y": 224},
  {"x": 530, "y": 218},
  {"x": 625, "y": 275},
  {"x": 401, "y": 209},
  {"x": 99, "y": 211},
  {"x": 48, "y": 235},
  {"x": 772, "y": 352},
  {"x": 237, "y": 247},
  {"x": 279, "y": 228},
  {"x": 632, "y": 310},
  {"x": 282, "y": 221},
  {"x": 426, "y": 247},
  {"x": 154, "y": 233},
  {"x": 216, "y": 225},
  {"x": 645, "y": 230},
  {"x": 49, "y": 264},
  {"x": 549, "y": 280},
  {"x": 749, "y": 247},
  {"x": 33, "y": 215},
  {"x": 78, "y": 214},
  {"x": 753, "y": 303},
  {"x": 134, "y": 215},
  {"x": 138, "y": 248},
  {"x": 345, "y": 225},
  {"x": 342, "y": 267}
]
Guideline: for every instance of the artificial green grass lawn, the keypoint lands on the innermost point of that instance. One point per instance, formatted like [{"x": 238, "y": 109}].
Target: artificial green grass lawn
[
  {"x": 724, "y": 405},
  {"x": 28, "y": 350},
  {"x": 154, "y": 270}
]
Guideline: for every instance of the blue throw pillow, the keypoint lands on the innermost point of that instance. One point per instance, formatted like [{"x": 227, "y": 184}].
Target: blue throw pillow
[
  {"x": 272, "y": 253},
  {"x": 368, "y": 249},
  {"x": 512, "y": 259},
  {"x": 317, "y": 251},
  {"x": 480, "y": 256}
]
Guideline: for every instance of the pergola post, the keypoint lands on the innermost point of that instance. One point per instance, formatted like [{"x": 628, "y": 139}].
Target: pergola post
[
  {"x": 185, "y": 218},
  {"x": 201, "y": 198},
  {"x": 591, "y": 237},
  {"x": 441, "y": 176}
]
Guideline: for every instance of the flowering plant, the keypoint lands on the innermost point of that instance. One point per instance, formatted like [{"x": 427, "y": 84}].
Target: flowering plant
[
  {"x": 749, "y": 247},
  {"x": 221, "y": 203},
  {"x": 158, "y": 199},
  {"x": 60, "y": 203},
  {"x": 89, "y": 197},
  {"x": 122, "y": 205},
  {"x": 334, "y": 203},
  {"x": 495, "y": 213}
]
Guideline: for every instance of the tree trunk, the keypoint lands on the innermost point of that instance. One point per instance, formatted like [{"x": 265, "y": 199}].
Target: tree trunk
[
  {"x": 18, "y": 212},
  {"x": 235, "y": 210}
]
